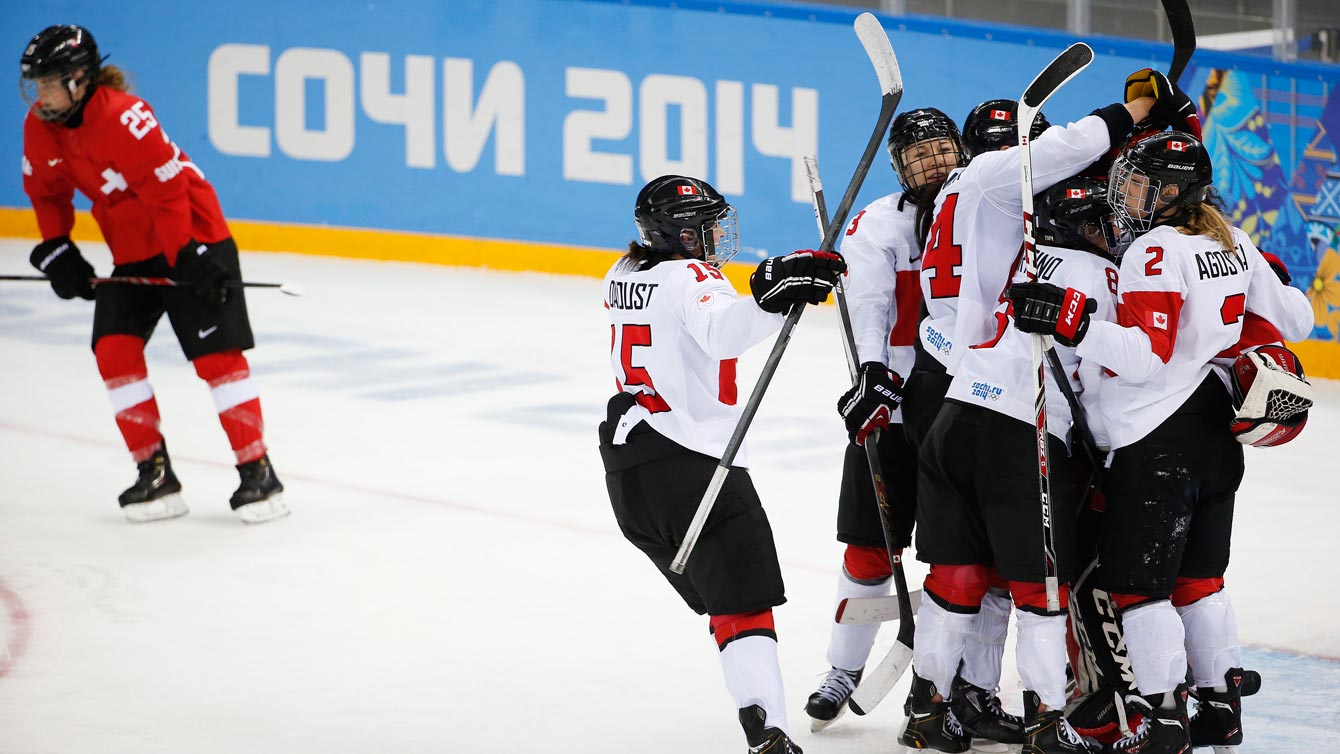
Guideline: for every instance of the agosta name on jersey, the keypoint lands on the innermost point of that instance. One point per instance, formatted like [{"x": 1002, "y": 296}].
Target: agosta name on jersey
[
  {"x": 1218, "y": 263},
  {"x": 625, "y": 294}
]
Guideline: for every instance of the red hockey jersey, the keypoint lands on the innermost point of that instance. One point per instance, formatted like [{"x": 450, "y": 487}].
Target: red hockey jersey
[{"x": 148, "y": 197}]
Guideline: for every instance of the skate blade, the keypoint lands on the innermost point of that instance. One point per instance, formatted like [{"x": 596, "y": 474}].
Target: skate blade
[
  {"x": 987, "y": 746},
  {"x": 817, "y": 725},
  {"x": 168, "y": 506},
  {"x": 264, "y": 510},
  {"x": 1224, "y": 749}
]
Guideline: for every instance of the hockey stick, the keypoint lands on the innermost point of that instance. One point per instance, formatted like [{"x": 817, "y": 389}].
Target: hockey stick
[
  {"x": 876, "y": 43},
  {"x": 1080, "y": 419},
  {"x": 289, "y": 288},
  {"x": 902, "y": 647},
  {"x": 1183, "y": 34},
  {"x": 1061, "y": 70},
  {"x": 867, "y": 610}
]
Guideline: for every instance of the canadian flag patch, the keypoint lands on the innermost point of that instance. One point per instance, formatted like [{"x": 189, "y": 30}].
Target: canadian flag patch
[
  {"x": 1158, "y": 320},
  {"x": 1076, "y": 193},
  {"x": 688, "y": 190},
  {"x": 1000, "y": 115},
  {"x": 706, "y": 300},
  {"x": 1177, "y": 146}
]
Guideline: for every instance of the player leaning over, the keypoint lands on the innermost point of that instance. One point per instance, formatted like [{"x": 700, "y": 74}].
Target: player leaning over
[
  {"x": 1185, "y": 286},
  {"x": 882, "y": 248},
  {"x": 677, "y": 328},
  {"x": 972, "y": 251},
  {"x": 160, "y": 218},
  {"x": 980, "y": 461}
]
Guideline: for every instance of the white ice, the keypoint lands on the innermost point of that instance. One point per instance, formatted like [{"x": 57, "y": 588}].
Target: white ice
[{"x": 452, "y": 579}]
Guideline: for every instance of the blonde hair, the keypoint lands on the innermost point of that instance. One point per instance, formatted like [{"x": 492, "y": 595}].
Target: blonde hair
[
  {"x": 113, "y": 78},
  {"x": 1205, "y": 219}
]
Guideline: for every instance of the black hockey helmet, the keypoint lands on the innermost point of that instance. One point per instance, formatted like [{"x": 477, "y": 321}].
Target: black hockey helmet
[
  {"x": 995, "y": 124},
  {"x": 1074, "y": 214},
  {"x": 1155, "y": 180},
  {"x": 926, "y": 170},
  {"x": 679, "y": 215},
  {"x": 67, "y": 52}
]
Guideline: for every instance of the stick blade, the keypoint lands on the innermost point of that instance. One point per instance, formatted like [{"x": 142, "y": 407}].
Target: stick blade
[
  {"x": 876, "y": 43},
  {"x": 869, "y": 610},
  {"x": 1064, "y": 67},
  {"x": 877, "y": 684},
  {"x": 292, "y": 289}
]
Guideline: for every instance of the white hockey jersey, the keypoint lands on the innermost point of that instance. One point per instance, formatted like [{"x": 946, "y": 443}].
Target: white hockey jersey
[
  {"x": 978, "y": 233},
  {"x": 675, "y": 333},
  {"x": 881, "y": 286},
  {"x": 1185, "y": 308},
  {"x": 998, "y": 374}
]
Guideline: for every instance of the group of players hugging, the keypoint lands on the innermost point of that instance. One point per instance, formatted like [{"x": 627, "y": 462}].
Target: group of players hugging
[{"x": 1168, "y": 326}]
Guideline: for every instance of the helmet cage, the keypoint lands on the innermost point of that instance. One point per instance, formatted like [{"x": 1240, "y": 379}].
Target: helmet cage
[
  {"x": 710, "y": 233},
  {"x": 921, "y": 144},
  {"x": 1075, "y": 212}
]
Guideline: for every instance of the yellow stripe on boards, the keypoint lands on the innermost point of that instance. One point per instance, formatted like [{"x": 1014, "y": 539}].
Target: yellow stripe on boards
[{"x": 386, "y": 245}]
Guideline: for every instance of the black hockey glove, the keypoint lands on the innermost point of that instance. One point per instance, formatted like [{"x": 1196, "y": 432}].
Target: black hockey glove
[
  {"x": 1172, "y": 107},
  {"x": 1278, "y": 266},
  {"x": 1046, "y": 309},
  {"x": 198, "y": 269},
  {"x": 59, "y": 259},
  {"x": 801, "y": 277},
  {"x": 870, "y": 403}
]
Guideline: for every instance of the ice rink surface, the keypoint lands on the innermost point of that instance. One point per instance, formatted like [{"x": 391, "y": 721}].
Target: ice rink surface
[{"x": 452, "y": 579}]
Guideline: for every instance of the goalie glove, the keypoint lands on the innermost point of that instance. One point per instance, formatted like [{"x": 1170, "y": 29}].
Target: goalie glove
[
  {"x": 1271, "y": 395},
  {"x": 869, "y": 404}
]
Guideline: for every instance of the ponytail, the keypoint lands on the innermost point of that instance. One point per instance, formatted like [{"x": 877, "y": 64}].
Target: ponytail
[
  {"x": 111, "y": 77},
  {"x": 1206, "y": 219}
]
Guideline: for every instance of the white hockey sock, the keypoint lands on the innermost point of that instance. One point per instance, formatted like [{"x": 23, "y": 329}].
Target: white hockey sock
[
  {"x": 938, "y": 643},
  {"x": 1155, "y": 643},
  {"x": 1042, "y": 656},
  {"x": 986, "y": 644},
  {"x": 1211, "y": 638},
  {"x": 754, "y": 677},
  {"x": 849, "y": 645}
]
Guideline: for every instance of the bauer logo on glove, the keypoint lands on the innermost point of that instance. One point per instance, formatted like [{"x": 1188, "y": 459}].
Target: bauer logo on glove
[{"x": 1271, "y": 395}]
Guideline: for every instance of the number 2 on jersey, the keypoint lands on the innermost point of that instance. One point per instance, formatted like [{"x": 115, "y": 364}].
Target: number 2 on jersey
[
  {"x": 944, "y": 258},
  {"x": 636, "y": 335}
]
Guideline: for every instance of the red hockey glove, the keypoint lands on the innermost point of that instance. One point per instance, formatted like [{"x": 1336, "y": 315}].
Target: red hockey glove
[
  {"x": 870, "y": 403},
  {"x": 1046, "y": 309},
  {"x": 801, "y": 277}
]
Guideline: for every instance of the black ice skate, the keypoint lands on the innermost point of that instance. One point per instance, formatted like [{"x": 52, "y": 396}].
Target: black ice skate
[
  {"x": 764, "y": 740},
  {"x": 1049, "y": 732},
  {"x": 156, "y": 494},
  {"x": 260, "y": 496},
  {"x": 931, "y": 725},
  {"x": 1218, "y": 721},
  {"x": 830, "y": 701},
  {"x": 1163, "y": 731},
  {"x": 982, "y": 716}
]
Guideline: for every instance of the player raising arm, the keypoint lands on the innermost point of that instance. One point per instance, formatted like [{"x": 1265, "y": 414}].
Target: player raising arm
[
  {"x": 677, "y": 328},
  {"x": 1186, "y": 284}
]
